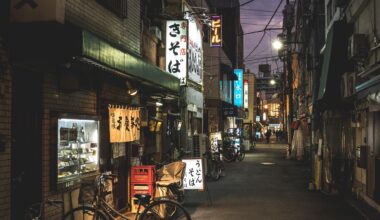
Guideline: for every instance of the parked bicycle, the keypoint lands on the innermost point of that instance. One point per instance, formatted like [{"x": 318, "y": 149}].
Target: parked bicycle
[
  {"x": 215, "y": 166},
  {"x": 99, "y": 209},
  {"x": 231, "y": 152},
  {"x": 160, "y": 208}
]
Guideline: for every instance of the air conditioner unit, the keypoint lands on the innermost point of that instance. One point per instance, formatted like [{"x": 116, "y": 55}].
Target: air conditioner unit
[
  {"x": 348, "y": 83},
  {"x": 156, "y": 31},
  {"x": 358, "y": 46}
]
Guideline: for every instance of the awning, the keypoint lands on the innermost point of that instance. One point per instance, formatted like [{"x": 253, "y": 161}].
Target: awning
[
  {"x": 334, "y": 63},
  {"x": 101, "y": 51},
  {"x": 58, "y": 43}
]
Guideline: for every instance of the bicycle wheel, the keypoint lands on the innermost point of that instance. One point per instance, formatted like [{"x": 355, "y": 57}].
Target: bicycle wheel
[
  {"x": 165, "y": 209},
  {"x": 241, "y": 155},
  {"x": 228, "y": 155},
  {"x": 85, "y": 213}
]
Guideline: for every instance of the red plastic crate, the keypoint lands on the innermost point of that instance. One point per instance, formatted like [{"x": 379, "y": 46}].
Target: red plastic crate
[
  {"x": 142, "y": 188},
  {"x": 143, "y": 174}
]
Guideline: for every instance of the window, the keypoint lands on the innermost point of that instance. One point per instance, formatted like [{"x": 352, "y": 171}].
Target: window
[{"x": 119, "y": 7}]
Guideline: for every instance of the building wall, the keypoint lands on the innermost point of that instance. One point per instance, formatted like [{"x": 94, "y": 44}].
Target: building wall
[
  {"x": 124, "y": 33},
  {"x": 5, "y": 133},
  {"x": 78, "y": 102}
]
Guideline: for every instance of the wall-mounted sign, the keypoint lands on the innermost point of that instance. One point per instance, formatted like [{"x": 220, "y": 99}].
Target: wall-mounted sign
[
  {"x": 257, "y": 117},
  {"x": 176, "y": 49},
  {"x": 216, "y": 31},
  {"x": 245, "y": 94},
  {"x": 193, "y": 178},
  {"x": 124, "y": 124},
  {"x": 195, "y": 50},
  {"x": 238, "y": 88}
]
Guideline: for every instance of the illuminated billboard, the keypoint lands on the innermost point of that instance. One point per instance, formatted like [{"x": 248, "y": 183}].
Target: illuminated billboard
[
  {"x": 216, "y": 31},
  {"x": 238, "y": 88}
]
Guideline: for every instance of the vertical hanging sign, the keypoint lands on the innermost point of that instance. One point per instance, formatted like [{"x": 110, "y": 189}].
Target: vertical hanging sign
[
  {"x": 238, "y": 88},
  {"x": 176, "y": 49},
  {"x": 246, "y": 94},
  {"x": 216, "y": 31}
]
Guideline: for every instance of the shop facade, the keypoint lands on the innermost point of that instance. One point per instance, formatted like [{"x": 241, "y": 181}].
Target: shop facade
[{"x": 66, "y": 77}]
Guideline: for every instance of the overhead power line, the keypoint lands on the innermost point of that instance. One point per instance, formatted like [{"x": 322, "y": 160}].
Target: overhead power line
[
  {"x": 246, "y": 3},
  {"x": 262, "y": 37}
]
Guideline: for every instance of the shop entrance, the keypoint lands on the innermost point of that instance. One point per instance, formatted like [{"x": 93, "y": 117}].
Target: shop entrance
[{"x": 26, "y": 145}]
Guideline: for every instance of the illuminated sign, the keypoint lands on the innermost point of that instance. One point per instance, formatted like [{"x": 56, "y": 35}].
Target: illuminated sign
[
  {"x": 176, "y": 49},
  {"x": 216, "y": 31},
  {"x": 245, "y": 93},
  {"x": 238, "y": 88}
]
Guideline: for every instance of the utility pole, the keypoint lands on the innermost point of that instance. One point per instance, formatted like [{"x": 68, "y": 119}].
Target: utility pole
[{"x": 289, "y": 25}]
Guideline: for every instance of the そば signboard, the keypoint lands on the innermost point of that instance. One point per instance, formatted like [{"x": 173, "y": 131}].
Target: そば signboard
[{"x": 193, "y": 178}]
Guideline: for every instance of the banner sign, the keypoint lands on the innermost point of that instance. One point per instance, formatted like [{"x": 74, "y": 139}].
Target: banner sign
[
  {"x": 246, "y": 94},
  {"x": 193, "y": 178},
  {"x": 216, "y": 31},
  {"x": 124, "y": 123},
  {"x": 238, "y": 88},
  {"x": 176, "y": 49}
]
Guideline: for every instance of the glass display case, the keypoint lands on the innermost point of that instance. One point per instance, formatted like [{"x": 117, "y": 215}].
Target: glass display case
[{"x": 78, "y": 147}]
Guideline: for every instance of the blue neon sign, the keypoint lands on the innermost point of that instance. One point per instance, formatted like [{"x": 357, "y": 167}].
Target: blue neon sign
[{"x": 238, "y": 88}]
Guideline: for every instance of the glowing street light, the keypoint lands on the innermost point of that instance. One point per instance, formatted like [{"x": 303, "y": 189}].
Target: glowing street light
[
  {"x": 277, "y": 44},
  {"x": 272, "y": 82}
]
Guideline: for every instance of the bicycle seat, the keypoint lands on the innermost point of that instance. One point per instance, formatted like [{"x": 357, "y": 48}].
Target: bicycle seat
[{"x": 143, "y": 198}]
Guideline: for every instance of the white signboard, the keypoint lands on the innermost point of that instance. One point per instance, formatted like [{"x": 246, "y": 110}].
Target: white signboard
[
  {"x": 195, "y": 50},
  {"x": 176, "y": 49},
  {"x": 193, "y": 178}
]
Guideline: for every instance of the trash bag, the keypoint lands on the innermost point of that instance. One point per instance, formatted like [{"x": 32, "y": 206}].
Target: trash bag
[{"x": 171, "y": 173}]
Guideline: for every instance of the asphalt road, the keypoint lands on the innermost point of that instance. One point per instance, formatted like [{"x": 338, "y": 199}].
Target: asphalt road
[{"x": 278, "y": 190}]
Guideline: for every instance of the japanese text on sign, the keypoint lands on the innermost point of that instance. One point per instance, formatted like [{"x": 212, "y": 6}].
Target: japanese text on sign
[
  {"x": 214, "y": 138},
  {"x": 124, "y": 124},
  {"x": 176, "y": 49},
  {"x": 216, "y": 31},
  {"x": 246, "y": 94},
  {"x": 238, "y": 88},
  {"x": 193, "y": 178}
]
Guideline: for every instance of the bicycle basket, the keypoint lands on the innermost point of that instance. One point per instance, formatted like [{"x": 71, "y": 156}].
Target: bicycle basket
[{"x": 87, "y": 192}]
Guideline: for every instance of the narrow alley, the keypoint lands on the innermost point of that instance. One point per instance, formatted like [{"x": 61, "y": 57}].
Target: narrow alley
[{"x": 267, "y": 186}]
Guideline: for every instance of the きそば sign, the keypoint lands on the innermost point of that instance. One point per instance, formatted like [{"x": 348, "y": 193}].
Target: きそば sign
[
  {"x": 124, "y": 124},
  {"x": 176, "y": 49},
  {"x": 216, "y": 31},
  {"x": 193, "y": 178}
]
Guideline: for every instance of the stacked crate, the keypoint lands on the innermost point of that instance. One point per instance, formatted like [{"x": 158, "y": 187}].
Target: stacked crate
[{"x": 143, "y": 180}]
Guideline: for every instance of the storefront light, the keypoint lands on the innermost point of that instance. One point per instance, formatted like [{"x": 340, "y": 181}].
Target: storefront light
[{"x": 159, "y": 104}]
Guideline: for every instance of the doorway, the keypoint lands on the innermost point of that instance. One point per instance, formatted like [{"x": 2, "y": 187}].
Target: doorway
[{"x": 26, "y": 141}]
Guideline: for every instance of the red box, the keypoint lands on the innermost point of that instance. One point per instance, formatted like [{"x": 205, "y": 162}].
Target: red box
[
  {"x": 143, "y": 174},
  {"x": 142, "y": 188}
]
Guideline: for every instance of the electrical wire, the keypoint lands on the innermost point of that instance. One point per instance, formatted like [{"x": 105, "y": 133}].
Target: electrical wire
[
  {"x": 246, "y": 3},
  {"x": 262, "y": 37}
]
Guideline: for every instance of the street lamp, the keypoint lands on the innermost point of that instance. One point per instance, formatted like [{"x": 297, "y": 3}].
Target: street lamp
[
  {"x": 272, "y": 82},
  {"x": 277, "y": 44}
]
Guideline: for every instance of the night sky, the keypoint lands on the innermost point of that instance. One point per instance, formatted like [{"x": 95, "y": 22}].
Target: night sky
[{"x": 254, "y": 17}]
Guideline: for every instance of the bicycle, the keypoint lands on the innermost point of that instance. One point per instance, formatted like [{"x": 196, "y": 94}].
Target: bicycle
[
  {"x": 34, "y": 212},
  {"x": 101, "y": 210},
  {"x": 233, "y": 153},
  {"x": 215, "y": 167}
]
